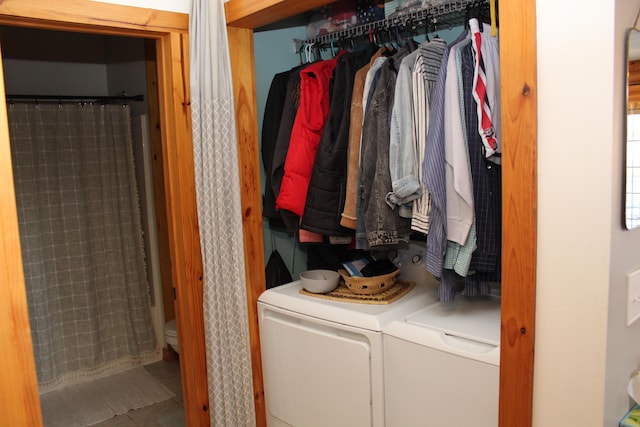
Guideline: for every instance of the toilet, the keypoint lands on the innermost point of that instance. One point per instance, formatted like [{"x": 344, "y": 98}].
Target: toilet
[{"x": 171, "y": 335}]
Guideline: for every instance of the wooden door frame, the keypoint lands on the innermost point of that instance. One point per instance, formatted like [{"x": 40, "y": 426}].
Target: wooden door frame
[
  {"x": 519, "y": 135},
  {"x": 21, "y": 404}
]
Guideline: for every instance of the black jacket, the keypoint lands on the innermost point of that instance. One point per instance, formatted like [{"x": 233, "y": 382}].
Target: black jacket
[{"x": 327, "y": 187}]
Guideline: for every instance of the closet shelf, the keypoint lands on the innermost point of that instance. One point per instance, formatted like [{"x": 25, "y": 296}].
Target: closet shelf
[{"x": 447, "y": 14}]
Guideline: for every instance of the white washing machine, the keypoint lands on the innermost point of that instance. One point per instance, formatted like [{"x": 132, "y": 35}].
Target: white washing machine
[
  {"x": 323, "y": 360},
  {"x": 442, "y": 365}
]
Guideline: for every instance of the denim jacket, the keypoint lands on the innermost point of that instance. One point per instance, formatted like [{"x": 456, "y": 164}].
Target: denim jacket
[{"x": 383, "y": 224}]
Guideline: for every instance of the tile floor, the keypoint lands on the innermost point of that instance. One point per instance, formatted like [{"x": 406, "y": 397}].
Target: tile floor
[{"x": 169, "y": 413}]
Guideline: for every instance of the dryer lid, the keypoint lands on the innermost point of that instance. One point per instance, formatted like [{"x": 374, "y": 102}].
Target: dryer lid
[{"x": 476, "y": 319}]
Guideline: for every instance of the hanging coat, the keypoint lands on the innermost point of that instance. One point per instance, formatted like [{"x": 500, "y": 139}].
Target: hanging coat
[
  {"x": 305, "y": 135},
  {"x": 327, "y": 187},
  {"x": 273, "y": 114}
]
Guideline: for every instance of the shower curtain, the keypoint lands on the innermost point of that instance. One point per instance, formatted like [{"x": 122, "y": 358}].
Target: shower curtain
[
  {"x": 215, "y": 150},
  {"x": 81, "y": 240}
]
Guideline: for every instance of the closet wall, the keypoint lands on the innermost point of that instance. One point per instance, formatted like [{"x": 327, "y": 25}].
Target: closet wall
[
  {"x": 274, "y": 53},
  {"x": 35, "y": 64}
]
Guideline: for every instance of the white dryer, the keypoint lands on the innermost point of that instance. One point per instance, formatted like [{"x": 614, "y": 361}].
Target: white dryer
[
  {"x": 323, "y": 360},
  {"x": 442, "y": 365}
]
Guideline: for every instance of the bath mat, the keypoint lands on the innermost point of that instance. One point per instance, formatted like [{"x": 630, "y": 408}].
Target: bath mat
[
  {"x": 342, "y": 293},
  {"x": 95, "y": 401}
]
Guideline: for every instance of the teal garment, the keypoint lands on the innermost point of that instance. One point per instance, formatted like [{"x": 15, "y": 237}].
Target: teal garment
[{"x": 458, "y": 257}]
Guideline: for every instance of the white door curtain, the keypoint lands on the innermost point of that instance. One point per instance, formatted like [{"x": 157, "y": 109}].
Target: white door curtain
[{"x": 229, "y": 373}]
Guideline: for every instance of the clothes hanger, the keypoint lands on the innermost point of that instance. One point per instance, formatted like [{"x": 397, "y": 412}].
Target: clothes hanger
[
  {"x": 407, "y": 35},
  {"x": 473, "y": 10},
  {"x": 317, "y": 54},
  {"x": 426, "y": 28},
  {"x": 390, "y": 38},
  {"x": 486, "y": 12},
  {"x": 396, "y": 35},
  {"x": 434, "y": 26},
  {"x": 307, "y": 52},
  {"x": 310, "y": 53}
]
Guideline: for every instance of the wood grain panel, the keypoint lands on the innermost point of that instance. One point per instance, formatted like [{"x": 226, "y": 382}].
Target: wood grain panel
[
  {"x": 155, "y": 137},
  {"x": 519, "y": 203},
  {"x": 175, "y": 119},
  {"x": 243, "y": 66},
  {"x": 20, "y": 401},
  {"x": 257, "y": 13},
  {"x": 633, "y": 71},
  {"x": 99, "y": 17},
  {"x": 633, "y": 88}
]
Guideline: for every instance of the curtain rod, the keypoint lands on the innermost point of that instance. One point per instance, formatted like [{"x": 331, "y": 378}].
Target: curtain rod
[{"x": 60, "y": 98}]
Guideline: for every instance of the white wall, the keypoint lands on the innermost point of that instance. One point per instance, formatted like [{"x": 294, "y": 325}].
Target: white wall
[
  {"x": 126, "y": 70},
  {"x": 91, "y": 64},
  {"x": 180, "y": 6},
  {"x": 584, "y": 352},
  {"x": 574, "y": 212},
  {"x": 623, "y": 350},
  {"x": 34, "y": 63}
]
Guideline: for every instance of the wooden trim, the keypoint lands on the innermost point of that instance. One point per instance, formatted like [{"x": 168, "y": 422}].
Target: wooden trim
[
  {"x": 184, "y": 235},
  {"x": 243, "y": 66},
  {"x": 252, "y": 14},
  {"x": 20, "y": 402},
  {"x": 519, "y": 204},
  {"x": 159, "y": 196},
  {"x": 91, "y": 16},
  {"x": 242, "y": 17}
]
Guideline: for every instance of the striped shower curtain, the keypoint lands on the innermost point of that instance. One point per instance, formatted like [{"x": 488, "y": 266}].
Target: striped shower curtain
[
  {"x": 220, "y": 220},
  {"x": 81, "y": 240}
]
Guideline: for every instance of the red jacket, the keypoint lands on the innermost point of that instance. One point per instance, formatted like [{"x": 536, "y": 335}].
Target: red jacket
[{"x": 305, "y": 135}]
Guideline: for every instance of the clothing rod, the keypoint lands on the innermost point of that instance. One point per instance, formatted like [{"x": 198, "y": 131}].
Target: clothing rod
[
  {"x": 95, "y": 98},
  {"x": 445, "y": 14}
]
